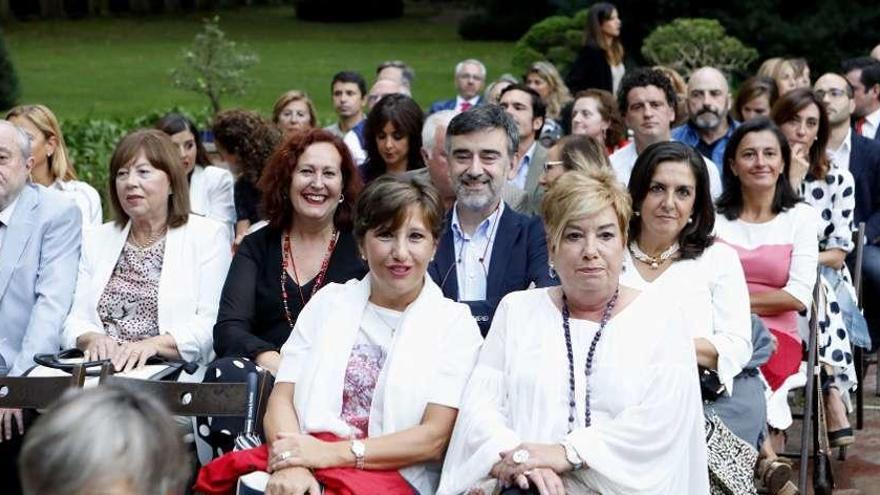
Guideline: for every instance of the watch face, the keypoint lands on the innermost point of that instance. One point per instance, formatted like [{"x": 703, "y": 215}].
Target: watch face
[{"x": 358, "y": 448}]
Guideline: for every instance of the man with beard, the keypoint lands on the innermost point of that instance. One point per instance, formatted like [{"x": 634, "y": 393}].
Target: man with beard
[
  {"x": 647, "y": 100},
  {"x": 709, "y": 125},
  {"x": 861, "y": 156},
  {"x": 488, "y": 250}
]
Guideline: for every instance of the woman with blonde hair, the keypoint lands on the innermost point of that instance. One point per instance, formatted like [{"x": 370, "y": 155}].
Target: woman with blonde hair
[
  {"x": 545, "y": 80},
  {"x": 600, "y": 62},
  {"x": 294, "y": 111},
  {"x": 588, "y": 387},
  {"x": 52, "y": 165},
  {"x": 780, "y": 70},
  {"x": 572, "y": 153}
]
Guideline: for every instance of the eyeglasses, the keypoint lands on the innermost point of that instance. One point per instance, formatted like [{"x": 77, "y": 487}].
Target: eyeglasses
[
  {"x": 548, "y": 166},
  {"x": 833, "y": 92}
]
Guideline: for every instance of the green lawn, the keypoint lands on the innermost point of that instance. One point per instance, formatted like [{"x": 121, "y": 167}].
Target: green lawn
[{"x": 118, "y": 67}]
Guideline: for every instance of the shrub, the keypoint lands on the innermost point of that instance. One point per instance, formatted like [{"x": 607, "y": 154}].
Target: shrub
[
  {"x": 688, "y": 44},
  {"x": 503, "y": 19},
  {"x": 9, "y": 90},
  {"x": 556, "y": 39},
  {"x": 214, "y": 65},
  {"x": 91, "y": 141}
]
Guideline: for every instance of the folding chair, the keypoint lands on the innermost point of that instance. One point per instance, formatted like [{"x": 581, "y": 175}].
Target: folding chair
[
  {"x": 858, "y": 352},
  {"x": 31, "y": 392}
]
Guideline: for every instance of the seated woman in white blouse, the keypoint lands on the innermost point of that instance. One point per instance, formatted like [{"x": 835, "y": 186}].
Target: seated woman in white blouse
[
  {"x": 590, "y": 387},
  {"x": 210, "y": 187},
  {"x": 52, "y": 165},
  {"x": 672, "y": 249},
  {"x": 371, "y": 377},
  {"x": 149, "y": 282}
]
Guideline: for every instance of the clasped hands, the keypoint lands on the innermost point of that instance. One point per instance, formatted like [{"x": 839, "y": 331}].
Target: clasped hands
[
  {"x": 291, "y": 456},
  {"x": 542, "y": 468}
]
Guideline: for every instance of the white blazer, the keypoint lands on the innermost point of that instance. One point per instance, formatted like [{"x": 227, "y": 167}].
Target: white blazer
[
  {"x": 194, "y": 266},
  {"x": 210, "y": 194},
  {"x": 429, "y": 361}
]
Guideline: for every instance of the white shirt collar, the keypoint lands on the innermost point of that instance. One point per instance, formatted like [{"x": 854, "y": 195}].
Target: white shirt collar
[
  {"x": 846, "y": 144},
  {"x": 6, "y": 214},
  {"x": 485, "y": 226},
  {"x": 473, "y": 101},
  {"x": 874, "y": 118}
]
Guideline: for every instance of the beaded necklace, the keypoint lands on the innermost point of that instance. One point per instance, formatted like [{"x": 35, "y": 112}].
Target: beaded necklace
[
  {"x": 653, "y": 261},
  {"x": 287, "y": 253},
  {"x": 572, "y": 410}
]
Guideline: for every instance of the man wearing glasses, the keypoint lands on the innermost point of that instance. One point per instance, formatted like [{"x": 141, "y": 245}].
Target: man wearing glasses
[{"x": 470, "y": 76}]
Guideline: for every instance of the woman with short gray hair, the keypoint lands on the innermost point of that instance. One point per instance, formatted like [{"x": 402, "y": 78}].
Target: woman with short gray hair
[{"x": 105, "y": 440}]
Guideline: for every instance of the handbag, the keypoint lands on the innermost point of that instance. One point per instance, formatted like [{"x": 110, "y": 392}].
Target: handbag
[
  {"x": 731, "y": 460},
  {"x": 69, "y": 359},
  {"x": 710, "y": 384}
]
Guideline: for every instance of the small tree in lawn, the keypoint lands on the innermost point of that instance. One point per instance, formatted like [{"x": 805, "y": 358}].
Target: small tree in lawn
[{"x": 214, "y": 65}]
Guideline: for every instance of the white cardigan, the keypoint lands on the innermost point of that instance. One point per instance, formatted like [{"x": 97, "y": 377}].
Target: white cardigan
[
  {"x": 210, "y": 194},
  {"x": 429, "y": 361},
  {"x": 194, "y": 267}
]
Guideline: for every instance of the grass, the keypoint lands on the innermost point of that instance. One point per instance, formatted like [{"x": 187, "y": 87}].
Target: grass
[{"x": 118, "y": 67}]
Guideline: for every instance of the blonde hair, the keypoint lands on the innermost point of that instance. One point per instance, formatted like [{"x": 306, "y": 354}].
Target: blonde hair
[
  {"x": 43, "y": 119},
  {"x": 289, "y": 97},
  {"x": 582, "y": 194},
  {"x": 559, "y": 93}
]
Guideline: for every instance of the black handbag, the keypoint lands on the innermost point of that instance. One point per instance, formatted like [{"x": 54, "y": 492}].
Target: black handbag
[
  {"x": 710, "y": 384},
  {"x": 69, "y": 359}
]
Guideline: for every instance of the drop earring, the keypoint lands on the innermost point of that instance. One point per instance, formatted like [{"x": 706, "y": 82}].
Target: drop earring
[
  {"x": 341, "y": 198},
  {"x": 551, "y": 270}
]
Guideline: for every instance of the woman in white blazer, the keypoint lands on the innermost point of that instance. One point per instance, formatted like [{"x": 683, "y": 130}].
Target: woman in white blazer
[
  {"x": 210, "y": 188},
  {"x": 370, "y": 379},
  {"x": 149, "y": 283}
]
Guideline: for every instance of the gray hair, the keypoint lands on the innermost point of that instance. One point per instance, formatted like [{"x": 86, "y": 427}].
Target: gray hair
[
  {"x": 481, "y": 118},
  {"x": 22, "y": 140},
  {"x": 100, "y": 437},
  {"x": 432, "y": 123},
  {"x": 460, "y": 66},
  {"x": 407, "y": 72}
]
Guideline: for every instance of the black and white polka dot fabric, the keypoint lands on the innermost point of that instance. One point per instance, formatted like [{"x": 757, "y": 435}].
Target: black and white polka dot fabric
[
  {"x": 220, "y": 432},
  {"x": 834, "y": 199}
]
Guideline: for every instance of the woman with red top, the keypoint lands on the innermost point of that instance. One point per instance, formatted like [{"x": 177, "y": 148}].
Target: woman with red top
[
  {"x": 308, "y": 190},
  {"x": 774, "y": 234}
]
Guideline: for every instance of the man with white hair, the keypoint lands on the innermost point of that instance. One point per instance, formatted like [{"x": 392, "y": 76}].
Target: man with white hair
[
  {"x": 709, "y": 124},
  {"x": 354, "y": 138},
  {"x": 40, "y": 239},
  {"x": 397, "y": 70},
  {"x": 470, "y": 76}
]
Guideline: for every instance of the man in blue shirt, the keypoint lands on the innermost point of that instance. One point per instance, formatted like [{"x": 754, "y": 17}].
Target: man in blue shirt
[{"x": 709, "y": 125}]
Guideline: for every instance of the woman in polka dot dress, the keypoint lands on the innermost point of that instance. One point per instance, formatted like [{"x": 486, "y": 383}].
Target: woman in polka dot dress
[{"x": 801, "y": 116}]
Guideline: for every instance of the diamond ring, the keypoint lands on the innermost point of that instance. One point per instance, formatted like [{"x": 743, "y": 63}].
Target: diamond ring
[{"x": 521, "y": 456}]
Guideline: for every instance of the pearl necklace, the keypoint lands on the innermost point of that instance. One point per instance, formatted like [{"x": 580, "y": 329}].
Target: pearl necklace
[
  {"x": 149, "y": 241},
  {"x": 653, "y": 261}
]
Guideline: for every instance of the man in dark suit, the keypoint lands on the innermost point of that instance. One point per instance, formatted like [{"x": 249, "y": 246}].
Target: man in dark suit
[
  {"x": 488, "y": 250},
  {"x": 861, "y": 156},
  {"x": 863, "y": 73},
  {"x": 470, "y": 76}
]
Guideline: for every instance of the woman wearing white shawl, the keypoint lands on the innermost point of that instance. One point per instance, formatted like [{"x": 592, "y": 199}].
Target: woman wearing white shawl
[
  {"x": 517, "y": 429},
  {"x": 381, "y": 364}
]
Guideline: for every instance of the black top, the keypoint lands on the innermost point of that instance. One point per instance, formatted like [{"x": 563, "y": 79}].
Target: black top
[
  {"x": 590, "y": 70},
  {"x": 247, "y": 201},
  {"x": 251, "y": 316}
]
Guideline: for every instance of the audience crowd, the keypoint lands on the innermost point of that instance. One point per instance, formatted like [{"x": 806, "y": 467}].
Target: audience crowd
[{"x": 560, "y": 283}]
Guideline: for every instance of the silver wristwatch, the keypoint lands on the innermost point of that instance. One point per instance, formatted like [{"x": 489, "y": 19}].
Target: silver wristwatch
[
  {"x": 572, "y": 456},
  {"x": 359, "y": 450}
]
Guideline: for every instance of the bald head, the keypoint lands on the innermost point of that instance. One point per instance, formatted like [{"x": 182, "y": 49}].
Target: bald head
[
  {"x": 383, "y": 88},
  {"x": 837, "y": 97},
  {"x": 875, "y": 53},
  {"x": 708, "y": 99}
]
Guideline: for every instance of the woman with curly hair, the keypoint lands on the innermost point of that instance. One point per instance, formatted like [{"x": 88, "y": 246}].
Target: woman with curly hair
[{"x": 245, "y": 141}]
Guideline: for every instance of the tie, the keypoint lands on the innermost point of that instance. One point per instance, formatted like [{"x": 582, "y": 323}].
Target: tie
[
  {"x": 859, "y": 124},
  {"x": 464, "y": 106}
]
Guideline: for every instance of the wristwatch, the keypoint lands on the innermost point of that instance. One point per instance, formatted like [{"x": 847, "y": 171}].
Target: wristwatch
[
  {"x": 572, "y": 456},
  {"x": 359, "y": 450}
]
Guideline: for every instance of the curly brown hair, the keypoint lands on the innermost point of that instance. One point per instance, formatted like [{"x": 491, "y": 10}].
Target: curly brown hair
[
  {"x": 248, "y": 136},
  {"x": 275, "y": 181}
]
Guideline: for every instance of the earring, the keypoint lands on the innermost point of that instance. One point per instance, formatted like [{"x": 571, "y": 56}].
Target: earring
[
  {"x": 341, "y": 198},
  {"x": 690, "y": 219},
  {"x": 551, "y": 270},
  {"x": 637, "y": 213}
]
